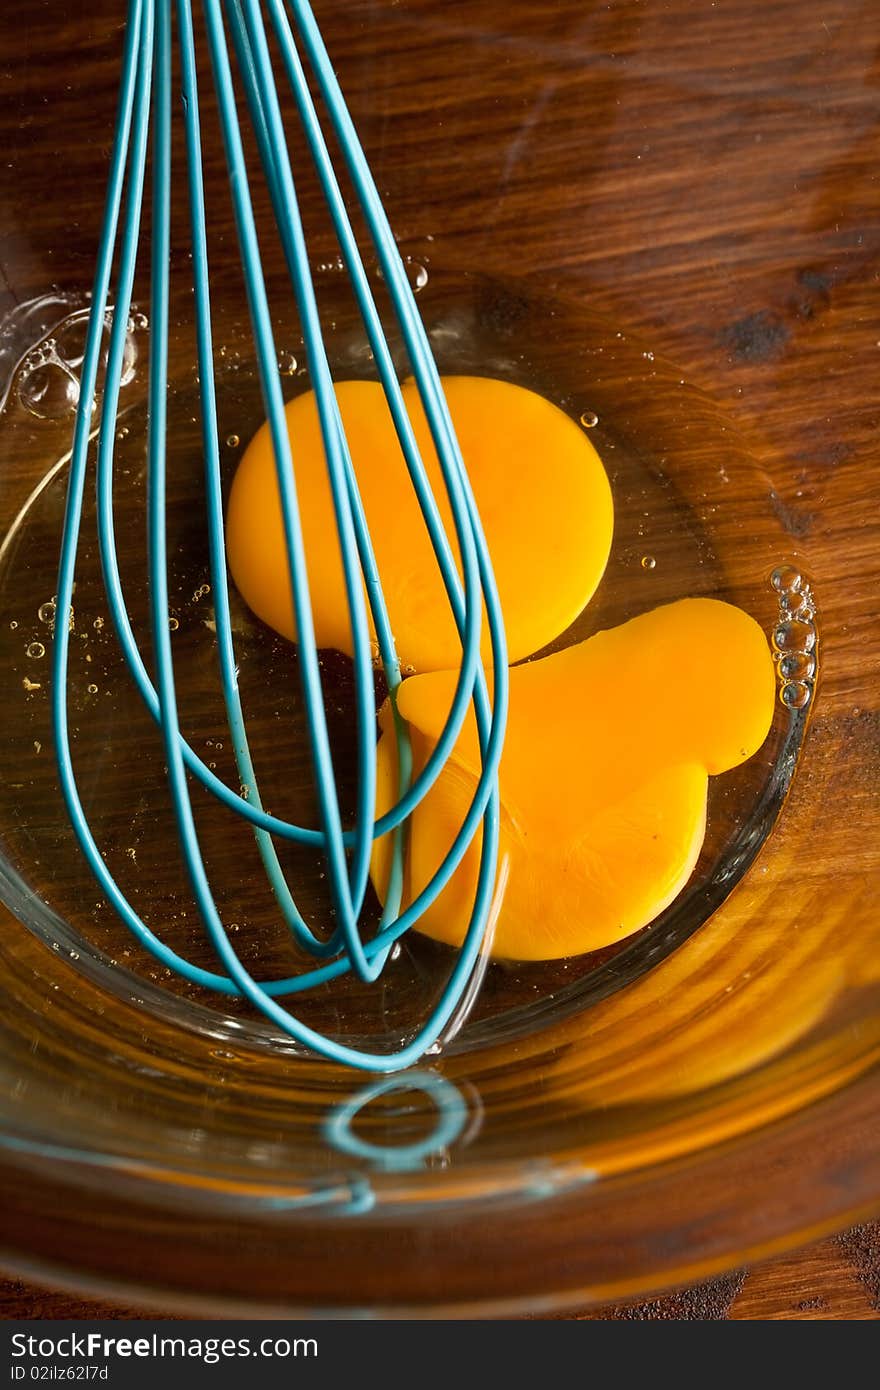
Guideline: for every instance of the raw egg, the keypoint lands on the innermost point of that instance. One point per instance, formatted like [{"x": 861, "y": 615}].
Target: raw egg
[
  {"x": 541, "y": 491},
  {"x": 603, "y": 779},
  {"x": 609, "y": 743}
]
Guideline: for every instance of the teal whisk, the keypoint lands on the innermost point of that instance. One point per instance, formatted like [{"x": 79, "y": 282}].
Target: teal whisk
[{"x": 144, "y": 129}]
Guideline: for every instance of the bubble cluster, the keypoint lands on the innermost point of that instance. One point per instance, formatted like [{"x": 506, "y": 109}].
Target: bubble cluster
[
  {"x": 794, "y": 637},
  {"x": 48, "y": 379},
  {"x": 47, "y": 613},
  {"x": 47, "y": 388}
]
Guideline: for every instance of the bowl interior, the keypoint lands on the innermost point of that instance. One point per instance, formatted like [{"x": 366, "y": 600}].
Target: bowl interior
[{"x": 674, "y": 536}]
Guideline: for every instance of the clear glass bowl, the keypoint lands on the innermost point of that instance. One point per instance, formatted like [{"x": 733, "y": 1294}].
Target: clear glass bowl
[{"x": 605, "y": 1125}]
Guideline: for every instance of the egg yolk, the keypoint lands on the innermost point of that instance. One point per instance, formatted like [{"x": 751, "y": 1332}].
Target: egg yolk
[
  {"x": 540, "y": 488},
  {"x": 603, "y": 778}
]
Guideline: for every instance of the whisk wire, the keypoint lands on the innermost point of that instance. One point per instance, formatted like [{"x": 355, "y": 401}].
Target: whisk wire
[
  {"x": 468, "y": 606},
  {"x": 249, "y": 40},
  {"x": 300, "y": 930},
  {"x": 267, "y": 358}
]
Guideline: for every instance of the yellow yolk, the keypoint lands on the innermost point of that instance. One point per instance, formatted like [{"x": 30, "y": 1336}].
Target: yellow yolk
[
  {"x": 603, "y": 778},
  {"x": 540, "y": 488}
]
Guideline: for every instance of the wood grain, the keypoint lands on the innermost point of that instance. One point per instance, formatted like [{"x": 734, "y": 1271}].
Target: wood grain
[{"x": 704, "y": 173}]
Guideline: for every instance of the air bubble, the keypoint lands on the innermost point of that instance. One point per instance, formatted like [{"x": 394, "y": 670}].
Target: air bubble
[
  {"x": 71, "y": 339},
  {"x": 46, "y": 612},
  {"x": 786, "y": 579},
  {"x": 794, "y": 636},
  {"x": 129, "y": 362},
  {"x": 48, "y": 389},
  {"x": 793, "y": 602},
  {"x": 232, "y": 441},
  {"x": 13, "y": 625},
  {"x": 98, "y": 624},
  {"x": 795, "y": 694},
  {"x": 287, "y": 364},
  {"x": 35, "y": 650},
  {"x": 796, "y": 666},
  {"x": 589, "y": 419},
  {"x": 92, "y": 689},
  {"x": 648, "y": 562},
  {"x": 173, "y": 624},
  {"x": 418, "y": 274}
]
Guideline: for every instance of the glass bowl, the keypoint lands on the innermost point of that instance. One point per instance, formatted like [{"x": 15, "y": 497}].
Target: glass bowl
[{"x": 703, "y": 1093}]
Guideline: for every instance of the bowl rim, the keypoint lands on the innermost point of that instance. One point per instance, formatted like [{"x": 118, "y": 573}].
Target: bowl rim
[{"x": 806, "y": 1175}]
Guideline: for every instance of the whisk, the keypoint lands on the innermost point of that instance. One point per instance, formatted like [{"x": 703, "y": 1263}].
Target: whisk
[{"x": 144, "y": 127}]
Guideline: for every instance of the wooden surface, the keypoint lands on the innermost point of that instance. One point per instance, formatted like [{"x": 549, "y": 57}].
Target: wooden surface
[
  {"x": 703, "y": 172},
  {"x": 835, "y": 1279}
]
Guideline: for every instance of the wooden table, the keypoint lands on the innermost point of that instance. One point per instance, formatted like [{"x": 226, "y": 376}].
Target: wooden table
[{"x": 722, "y": 198}]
